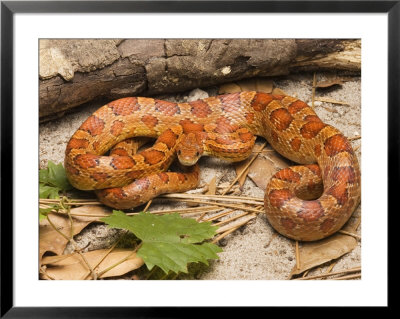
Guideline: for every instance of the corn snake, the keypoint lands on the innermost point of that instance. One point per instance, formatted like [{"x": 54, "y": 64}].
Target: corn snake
[{"x": 224, "y": 126}]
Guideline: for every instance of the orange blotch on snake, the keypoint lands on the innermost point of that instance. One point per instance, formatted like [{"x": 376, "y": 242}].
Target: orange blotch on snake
[
  {"x": 167, "y": 108},
  {"x": 277, "y": 197},
  {"x": 99, "y": 177},
  {"x": 164, "y": 177},
  {"x": 87, "y": 160},
  {"x": 76, "y": 143},
  {"x": 124, "y": 106},
  {"x": 150, "y": 121},
  {"x": 117, "y": 192},
  {"x": 181, "y": 177},
  {"x": 312, "y": 118},
  {"x": 296, "y": 106},
  {"x": 311, "y": 210},
  {"x": 311, "y": 129},
  {"x": 327, "y": 225},
  {"x": 295, "y": 144},
  {"x": 200, "y": 108},
  {"x": 122, "y": 162},
  {"x": 224, "y": 141},
  {"x": 336, "y": 144},
  {"x": 152, "y": 157},
  {"x": 261, "y": 100},
  {"x": 117, "y": 127},
  {"x": 339, "y": 191},
  {"x": 93, "y": 125},
  {"x": 119, "y": 151},
  {"x": 168, "y": 138},
  {"x": 281, "y": 119},
  {"x": 189, "y": 126},
  {"x": 288, "y": 175},
  {"x": 246, "y": 137}
]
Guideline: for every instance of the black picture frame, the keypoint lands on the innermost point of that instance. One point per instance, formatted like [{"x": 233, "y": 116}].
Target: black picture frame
[{"x": 9, "y": 8}]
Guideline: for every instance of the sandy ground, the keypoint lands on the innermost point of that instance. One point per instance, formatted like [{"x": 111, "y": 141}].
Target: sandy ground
[{"x": 254, "y": 251}]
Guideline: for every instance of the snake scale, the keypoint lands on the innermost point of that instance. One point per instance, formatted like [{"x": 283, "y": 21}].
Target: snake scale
[{"x": 306, "y": 202}]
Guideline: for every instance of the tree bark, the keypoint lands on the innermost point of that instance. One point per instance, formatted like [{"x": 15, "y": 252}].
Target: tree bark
[{"x": 73, "y": 72}]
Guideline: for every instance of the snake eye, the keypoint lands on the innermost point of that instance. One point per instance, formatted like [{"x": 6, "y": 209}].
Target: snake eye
[{"x": 197, "y": 153}]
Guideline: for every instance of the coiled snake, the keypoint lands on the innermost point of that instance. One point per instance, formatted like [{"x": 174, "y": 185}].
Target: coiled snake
[{"x": 224, "y": 126}]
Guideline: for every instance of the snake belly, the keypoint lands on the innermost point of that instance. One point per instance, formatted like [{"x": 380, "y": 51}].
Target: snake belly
[{"x": 329, "y": 170}]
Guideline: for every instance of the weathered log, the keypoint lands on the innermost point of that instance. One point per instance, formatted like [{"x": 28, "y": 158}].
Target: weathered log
[{"x": 73, "y": 72}]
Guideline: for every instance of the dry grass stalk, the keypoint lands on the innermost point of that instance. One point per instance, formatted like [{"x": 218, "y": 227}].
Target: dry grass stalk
[
  {"x": 231, "y": 219},
  {"x": 241, "y": 222},
  {"x": 238, "y": 207},
  {"x": 218, "y": 216},
  {"x": 355, "y": 276},
  {"x": 357, "y": 269},
  {"x": 234, "y": 199}
]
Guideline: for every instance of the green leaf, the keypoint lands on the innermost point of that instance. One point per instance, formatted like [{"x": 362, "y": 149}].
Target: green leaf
[
  {"x": 44, "y": 211},
  {"x": 168, "y": 241},
  {"x": 46, "y": 191},
  {"x": 52, "y": 180}
]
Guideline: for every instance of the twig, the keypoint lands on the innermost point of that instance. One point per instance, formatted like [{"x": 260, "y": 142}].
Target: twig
[
  {"x": 236, "y": 199},
  {"x": 231, "y": 219},
  {"x": 348, "y": 277},
  {"x": 225, "y": 234},
  {"x": 313, "y": 89},
  {"x": 218, "y": 216},
  {"x": 148, "y": 205},
  {"x": 106, "y": 254},
  {"x": 219, "y": 204},
  {"x": 121, "y": 261},
  {"x": 76, "y": 249},
  {"x": 331, "y": 274}
]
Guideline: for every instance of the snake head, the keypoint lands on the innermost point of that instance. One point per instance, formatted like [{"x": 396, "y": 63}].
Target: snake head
[{"x": 190, "y": 148}]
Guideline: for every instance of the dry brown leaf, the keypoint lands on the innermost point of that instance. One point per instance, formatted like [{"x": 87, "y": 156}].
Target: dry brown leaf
[
  {"x": 261, "y": 171},
  {"x": 278, "y": 91},
  {"x": 254, "y": 84},
  {"x": 212, "y": 186},
  {"x": 329, "y": 83},
  {"x": 51, "y": 240},
  {"x": 229, "y": 88},
  {"x": 264, "y": 85},
  {"x": 278, "y": 160},
  {"x": 72, "y": 266},
  {"x": 248, "y": 84},
  {"x": 313, "y": 254}
]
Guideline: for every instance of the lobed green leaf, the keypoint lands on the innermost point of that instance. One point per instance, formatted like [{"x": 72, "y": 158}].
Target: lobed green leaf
[{"x": 168, "y": 241}]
